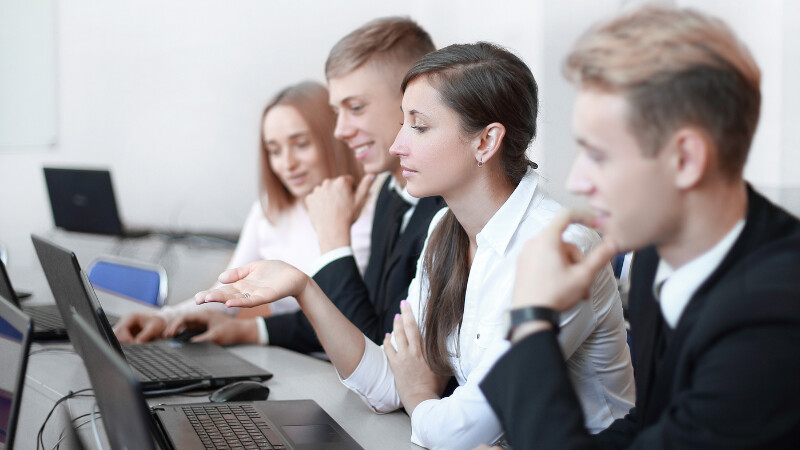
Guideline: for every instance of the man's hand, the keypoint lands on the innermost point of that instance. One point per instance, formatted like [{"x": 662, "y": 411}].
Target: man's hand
[
  {"x": 219, "y": 328},
  {"x": 554, "y": 273},
  {"x": 415, "y": 380},
  {"x": 334, "y": 206},
  {"x": 255, "y": 284},
  {"x": 139, "y": 327}
]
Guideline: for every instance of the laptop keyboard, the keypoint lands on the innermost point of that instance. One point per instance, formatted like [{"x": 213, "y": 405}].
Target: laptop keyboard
[
  {"x": 232, "y": 426},
  {"x": 46, "y": 317},
  {"x": 158, "y": 363}
]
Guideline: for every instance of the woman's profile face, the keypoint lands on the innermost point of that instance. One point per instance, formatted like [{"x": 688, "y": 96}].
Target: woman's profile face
[
  {"x": 435, "y": 156},
  {"x": 293, "y": 154}
]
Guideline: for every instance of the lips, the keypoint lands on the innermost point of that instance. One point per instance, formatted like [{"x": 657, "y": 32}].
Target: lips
[
  {"x": 406, "y": 171},
  {"x": 297, "y": 179},
  {"x": 362, "y": 150}
]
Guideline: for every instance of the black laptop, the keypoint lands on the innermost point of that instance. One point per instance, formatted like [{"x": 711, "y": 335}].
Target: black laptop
[
  {"x": 83, "y": 200},
  {"x": 129, "y": 423},
  {"x": 15, "y": 341},
  {"x": 160, "y": 365},
  {"x": 47, "y": 323}
]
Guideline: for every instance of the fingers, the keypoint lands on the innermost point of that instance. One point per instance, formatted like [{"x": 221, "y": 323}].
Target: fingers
[
  {"x": 123, "y": 330},
  {"x": 151, "y": 330},
  {"x": 399, "y": 332},
  {"x": 234, "y": 275},
  {"x": 595, "y": 261},
  {"x": 362, "y": 192},
  {"x": 565, "y": 217},
  {"x": 410, "y": 327}
]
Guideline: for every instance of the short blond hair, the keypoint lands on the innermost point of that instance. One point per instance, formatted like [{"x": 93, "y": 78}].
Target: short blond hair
[
  {"x": 676, "y": 67},
  {"x": 389, "y": 41}
]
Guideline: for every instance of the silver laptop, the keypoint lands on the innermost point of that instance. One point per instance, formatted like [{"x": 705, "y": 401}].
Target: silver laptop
[
  {"x": 129, "y": 423},
  {"x": 160, "y": 365}
]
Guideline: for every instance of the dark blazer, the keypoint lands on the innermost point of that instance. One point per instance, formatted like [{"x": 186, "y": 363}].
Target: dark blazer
[
  {"x": 372, "y": 301},
  {"x": 728, "y": 377}
]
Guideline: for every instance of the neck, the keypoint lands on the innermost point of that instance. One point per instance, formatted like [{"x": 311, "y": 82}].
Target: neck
[
  {"x": 708, "y": 215},
  {"x": 475, "y": 205}
]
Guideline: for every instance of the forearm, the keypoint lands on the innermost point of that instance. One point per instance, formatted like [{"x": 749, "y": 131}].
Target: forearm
[{"x": 342, "y": 341}]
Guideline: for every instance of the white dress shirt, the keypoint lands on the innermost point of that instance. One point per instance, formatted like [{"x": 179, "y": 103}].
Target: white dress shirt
[
  {"x": 678, "y": 286},
  {"x": 291, "y": 239},
  {"x": 592, "y": 334}
]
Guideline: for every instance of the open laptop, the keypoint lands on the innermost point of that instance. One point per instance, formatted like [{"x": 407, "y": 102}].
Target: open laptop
[
  {"x": 15, "y": 341},
  {"x": 83, "y": 200},
  {"x": 160, "y": 365},
  {"x": 129, "y": 423},
  {"x": 47, "y": 323}
]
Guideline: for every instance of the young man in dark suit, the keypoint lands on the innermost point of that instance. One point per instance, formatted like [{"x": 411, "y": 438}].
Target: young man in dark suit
[
  {"x": 364, "y": 71},
  {"x": 667, "y": 105}
]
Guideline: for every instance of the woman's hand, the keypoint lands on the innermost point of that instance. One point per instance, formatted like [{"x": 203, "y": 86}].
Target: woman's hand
[
  {"x": 255, "y": 284},
  {"x": 415, "y": 380},
  {"x": 218, "y": 328}
]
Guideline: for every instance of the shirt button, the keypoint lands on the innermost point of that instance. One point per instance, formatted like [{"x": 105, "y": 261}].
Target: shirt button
[{"x": 479, "y": 336}]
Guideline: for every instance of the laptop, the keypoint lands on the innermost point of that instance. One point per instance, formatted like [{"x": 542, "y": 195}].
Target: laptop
[
  {"x": 15, "y": 341},
  {"x": 129, "y": 423},
  {"x": 161, "y": 365},
  {"x": 47, "y": 323},
  {"x": 83, "y": 200}
]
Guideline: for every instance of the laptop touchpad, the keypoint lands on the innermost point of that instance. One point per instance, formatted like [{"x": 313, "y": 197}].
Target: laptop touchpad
[{"x": 311, "y": 434}]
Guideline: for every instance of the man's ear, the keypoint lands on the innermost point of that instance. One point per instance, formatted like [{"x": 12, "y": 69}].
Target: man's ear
[
  {"x": 691, "y": 155},
  {"x": 488, "y": 142}
]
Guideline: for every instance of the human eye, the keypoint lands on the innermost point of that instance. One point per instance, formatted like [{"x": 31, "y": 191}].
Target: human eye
[{"x": 419, "y": 128}]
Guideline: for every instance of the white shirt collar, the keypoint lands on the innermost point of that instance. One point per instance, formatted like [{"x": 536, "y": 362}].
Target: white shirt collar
[
  {"x": 680, "y": 285},
  {"x": 402, "y": 191},
  {"x": 498, "y": 232}
]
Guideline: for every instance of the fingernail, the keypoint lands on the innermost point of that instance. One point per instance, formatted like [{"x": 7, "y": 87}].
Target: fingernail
[
  {"x": 403, "y": 303},
  {"x": 387, "y": 335},
  {"x": 397, "y": 316}
]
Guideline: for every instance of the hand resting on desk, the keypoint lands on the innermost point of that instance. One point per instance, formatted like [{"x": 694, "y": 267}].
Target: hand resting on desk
[
  {"x": 139, "y": 327},
  {"x": 216, "y": 327}
]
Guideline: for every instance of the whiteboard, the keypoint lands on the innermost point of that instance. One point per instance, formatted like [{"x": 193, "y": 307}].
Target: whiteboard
[{"x": 27, "y": 73}]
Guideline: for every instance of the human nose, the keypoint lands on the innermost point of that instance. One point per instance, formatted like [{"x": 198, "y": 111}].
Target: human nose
[
  {"x": 578, "y": 181},
  {"x": 343, "y": 129},
  {"x": 398, "y": 148}
]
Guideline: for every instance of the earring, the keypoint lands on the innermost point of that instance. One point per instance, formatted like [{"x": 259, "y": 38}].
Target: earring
[{"x": 480, "y": 162}]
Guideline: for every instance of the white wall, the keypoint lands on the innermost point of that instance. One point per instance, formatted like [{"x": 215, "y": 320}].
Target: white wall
[{"x": 168, "y": 94}]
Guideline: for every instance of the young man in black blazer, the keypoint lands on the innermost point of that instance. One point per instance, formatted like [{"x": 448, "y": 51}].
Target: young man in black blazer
[
  {"x": 364, "y": 70},
  {"x": 667, "y": 105}
]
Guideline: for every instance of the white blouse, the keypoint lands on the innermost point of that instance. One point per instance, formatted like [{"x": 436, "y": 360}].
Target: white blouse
[
  {"x": 592, "y": 336},
  {"x": 291, "y": 239}
]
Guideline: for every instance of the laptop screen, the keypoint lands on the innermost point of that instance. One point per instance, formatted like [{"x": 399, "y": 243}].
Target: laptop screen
[
  {"x": 14, "y": 343},
  {"x": 6, "y": 291},
  {"x": 83, "y": 200}
]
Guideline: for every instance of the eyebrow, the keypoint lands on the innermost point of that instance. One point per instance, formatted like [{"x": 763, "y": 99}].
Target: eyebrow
[
  {"x": 414, "y": 112},
  {"x": 293, "y": 136}
]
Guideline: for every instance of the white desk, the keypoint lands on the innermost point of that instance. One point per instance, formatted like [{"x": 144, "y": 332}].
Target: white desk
[{"x": 54, "y": 372}]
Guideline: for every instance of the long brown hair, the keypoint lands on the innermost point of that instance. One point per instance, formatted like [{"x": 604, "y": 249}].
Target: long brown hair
[
  {"x": 483, "y": 83},
  {"x": 310, "y": 99}
]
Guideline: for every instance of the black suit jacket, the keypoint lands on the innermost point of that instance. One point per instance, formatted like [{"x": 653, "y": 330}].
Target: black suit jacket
[
  {"x": 372, "y": 301},
  {"x": 729, "y": 375}
]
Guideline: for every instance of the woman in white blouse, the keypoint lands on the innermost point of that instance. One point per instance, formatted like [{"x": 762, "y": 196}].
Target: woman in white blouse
[
  {"x": 469, "y": 116},
  {"x": 298, "y": 151}
]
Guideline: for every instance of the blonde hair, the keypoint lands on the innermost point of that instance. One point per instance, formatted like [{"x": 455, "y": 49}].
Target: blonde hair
[
  {"x": 390, "y": 43},
  {"x": 676, "y": 67},
  {"x": 310, "y": 99}
]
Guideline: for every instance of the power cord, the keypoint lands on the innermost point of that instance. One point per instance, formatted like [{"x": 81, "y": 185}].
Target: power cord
[
  {"x": 71, "y": 394},
  {"x": 202, "y": 384}
]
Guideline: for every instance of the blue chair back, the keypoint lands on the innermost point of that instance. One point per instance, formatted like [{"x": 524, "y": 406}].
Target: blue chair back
[{"x": 135, "y": 280}]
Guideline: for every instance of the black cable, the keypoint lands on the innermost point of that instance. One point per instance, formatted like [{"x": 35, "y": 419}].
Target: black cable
[
  {"x": 71, "y": 394},
  {"x": 178, "y": 390}
]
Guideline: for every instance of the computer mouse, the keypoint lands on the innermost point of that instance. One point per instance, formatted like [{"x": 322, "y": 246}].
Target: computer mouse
[{"x": 240, "y": 391}]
